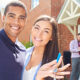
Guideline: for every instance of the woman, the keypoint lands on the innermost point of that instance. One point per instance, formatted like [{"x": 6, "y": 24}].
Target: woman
[{"x": 38, "y": 63}]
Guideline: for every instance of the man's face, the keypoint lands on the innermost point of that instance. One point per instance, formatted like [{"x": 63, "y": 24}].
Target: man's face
[{"x": 14, "y": 21}]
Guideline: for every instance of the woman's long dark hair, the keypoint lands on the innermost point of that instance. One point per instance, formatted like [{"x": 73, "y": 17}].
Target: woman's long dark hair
[{"x": 51, "y": 49}]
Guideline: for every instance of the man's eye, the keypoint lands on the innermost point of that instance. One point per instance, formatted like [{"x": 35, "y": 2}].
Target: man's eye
[
  {"x": 11, "y": 16},
  {"x": 22, "y": 18}
]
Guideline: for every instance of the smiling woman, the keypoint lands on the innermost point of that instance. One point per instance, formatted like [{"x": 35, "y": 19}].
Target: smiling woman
[{"x": 39, "y": 64}]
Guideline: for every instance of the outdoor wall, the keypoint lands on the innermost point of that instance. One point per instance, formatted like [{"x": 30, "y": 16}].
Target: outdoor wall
[
  {"x": 0, "y": 22},
  {"x": 65, "y": 36},
  {"x": 56, "y": 7}
]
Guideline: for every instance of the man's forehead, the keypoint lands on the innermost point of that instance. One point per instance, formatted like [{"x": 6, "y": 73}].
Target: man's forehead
[{"x": 16, "y": 9}]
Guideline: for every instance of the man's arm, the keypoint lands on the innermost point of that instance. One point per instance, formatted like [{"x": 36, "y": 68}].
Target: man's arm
[{"x": 73, "y": 47}]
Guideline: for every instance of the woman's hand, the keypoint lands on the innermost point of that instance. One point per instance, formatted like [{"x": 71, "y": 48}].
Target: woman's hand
[{"x": 48, "y": 70}]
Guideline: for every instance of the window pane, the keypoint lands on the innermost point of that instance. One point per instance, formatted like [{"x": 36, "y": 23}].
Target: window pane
[{"x": 34, "y": 3}]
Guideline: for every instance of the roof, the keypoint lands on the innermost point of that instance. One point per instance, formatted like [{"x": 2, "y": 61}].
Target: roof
[{"x": 70, "y": 12}]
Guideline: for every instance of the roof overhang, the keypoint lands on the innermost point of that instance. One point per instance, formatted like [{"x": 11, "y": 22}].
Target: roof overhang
[{"x": 69, "y": 13}]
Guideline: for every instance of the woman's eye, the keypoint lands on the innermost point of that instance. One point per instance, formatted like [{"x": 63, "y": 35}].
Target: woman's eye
[
  {"x": 46, "y": 31},
  {"x": 36, "y": 28}
]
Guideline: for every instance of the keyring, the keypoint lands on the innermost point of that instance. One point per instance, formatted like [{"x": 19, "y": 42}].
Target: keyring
[{"x": 55, "y": 70}]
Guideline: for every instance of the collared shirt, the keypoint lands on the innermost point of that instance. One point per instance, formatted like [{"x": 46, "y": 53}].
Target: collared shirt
[
  {"x": 22, "y": 53},
  {"x": 74, "y": 49},
  {"x": 18, "y": 49},
  {"x": 11, "y": 58}
]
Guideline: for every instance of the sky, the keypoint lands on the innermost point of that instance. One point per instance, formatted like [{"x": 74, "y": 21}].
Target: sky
[{"x": 4, "y": 2}]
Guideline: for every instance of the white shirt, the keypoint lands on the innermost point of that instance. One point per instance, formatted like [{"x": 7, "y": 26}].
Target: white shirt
[
  {"x": 74, "y": 49},
  {"x": 29, "y": 74},
  {"x": 21, "y": 56}
]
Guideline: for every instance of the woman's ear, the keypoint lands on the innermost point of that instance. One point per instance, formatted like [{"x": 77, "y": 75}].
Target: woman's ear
[{"x": 51, "y": 39}]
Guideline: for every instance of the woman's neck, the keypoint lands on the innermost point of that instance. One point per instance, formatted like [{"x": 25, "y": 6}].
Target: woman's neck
[
  {"x": 39, "y": 50},
  {"x": 36, "y": 57}
]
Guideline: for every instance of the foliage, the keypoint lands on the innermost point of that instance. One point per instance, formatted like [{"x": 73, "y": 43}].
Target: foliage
[{"x": 27, "y": 44}]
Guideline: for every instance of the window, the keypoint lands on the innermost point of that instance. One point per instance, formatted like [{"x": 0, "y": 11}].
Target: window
[
  {"x": 79, "y": 28},
  {"x": 34, "y": 3}
]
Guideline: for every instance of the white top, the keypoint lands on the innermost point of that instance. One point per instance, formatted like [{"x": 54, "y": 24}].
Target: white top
[
  {"x": 29, "y": 74},
  {"x": 21, "y": 55}
]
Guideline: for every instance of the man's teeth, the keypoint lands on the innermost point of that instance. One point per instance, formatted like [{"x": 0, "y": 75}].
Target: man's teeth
[{"x": 16, "y": 28}]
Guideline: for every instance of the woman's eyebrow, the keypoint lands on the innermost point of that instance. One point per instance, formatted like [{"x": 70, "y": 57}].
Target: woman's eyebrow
[
  {"x": 37, "y": 25},
  {"x": 44, "y": 28}
]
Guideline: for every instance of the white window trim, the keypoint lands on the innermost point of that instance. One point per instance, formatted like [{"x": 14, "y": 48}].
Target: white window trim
[
  {"x": 34, "y": 6},
  {"x": 79, "y": 28}
]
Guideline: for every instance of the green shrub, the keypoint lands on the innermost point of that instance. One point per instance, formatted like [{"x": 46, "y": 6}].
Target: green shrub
[{"x": 27, "y": 44}]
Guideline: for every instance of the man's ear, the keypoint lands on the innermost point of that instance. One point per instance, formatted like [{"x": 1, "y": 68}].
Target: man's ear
[{"x": 3, "y": 18}]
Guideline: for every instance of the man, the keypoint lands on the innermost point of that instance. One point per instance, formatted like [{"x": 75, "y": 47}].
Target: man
[
  {"x": 11, "y": 55},
  {"x": 75, "y": 50}
]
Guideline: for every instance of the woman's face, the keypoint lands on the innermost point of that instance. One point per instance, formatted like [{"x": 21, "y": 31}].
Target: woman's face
[{"x": 41, "y": 33}]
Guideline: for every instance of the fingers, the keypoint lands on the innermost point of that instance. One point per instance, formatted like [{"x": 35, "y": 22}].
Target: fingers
[
  {"x": 51, "y": 63},
  {"x": 57, "y": 64},
  {"x": 63, "y": 73},
  {"x": 55, "y": 76},
  {"x": 59, "y": 77},
  {"x": 64, "y": 67},
  {"x": 48, "y": 65}
]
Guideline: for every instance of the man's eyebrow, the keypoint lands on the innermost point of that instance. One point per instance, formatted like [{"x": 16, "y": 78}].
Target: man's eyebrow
[
  {"x": 23, "y": 16},
  {"x": 11, "y": 14}
]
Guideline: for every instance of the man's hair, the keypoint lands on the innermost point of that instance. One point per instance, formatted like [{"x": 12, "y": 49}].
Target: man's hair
[{"x": 15, "y": 3}]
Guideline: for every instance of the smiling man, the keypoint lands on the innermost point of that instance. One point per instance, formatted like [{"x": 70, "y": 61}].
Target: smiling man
[{"x": 11, "y": 55}]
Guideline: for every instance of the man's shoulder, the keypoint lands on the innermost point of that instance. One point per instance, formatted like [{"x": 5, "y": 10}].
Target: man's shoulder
[{"x": 74, "y": 41}]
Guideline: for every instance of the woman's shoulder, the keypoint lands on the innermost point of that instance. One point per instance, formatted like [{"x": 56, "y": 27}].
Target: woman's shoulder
[{"x": 30, "y": 49}]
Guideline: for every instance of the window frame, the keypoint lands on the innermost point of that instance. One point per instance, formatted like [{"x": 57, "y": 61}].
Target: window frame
[{"x": 34, "y": 4}]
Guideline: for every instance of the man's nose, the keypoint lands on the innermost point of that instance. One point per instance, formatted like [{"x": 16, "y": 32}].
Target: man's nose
[{"x": 16, "y": 21}]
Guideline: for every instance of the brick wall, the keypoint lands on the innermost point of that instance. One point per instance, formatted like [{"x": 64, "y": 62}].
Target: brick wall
[
  {"x": 65, "y": 36},
  {"x": 56, "y": 7}
]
